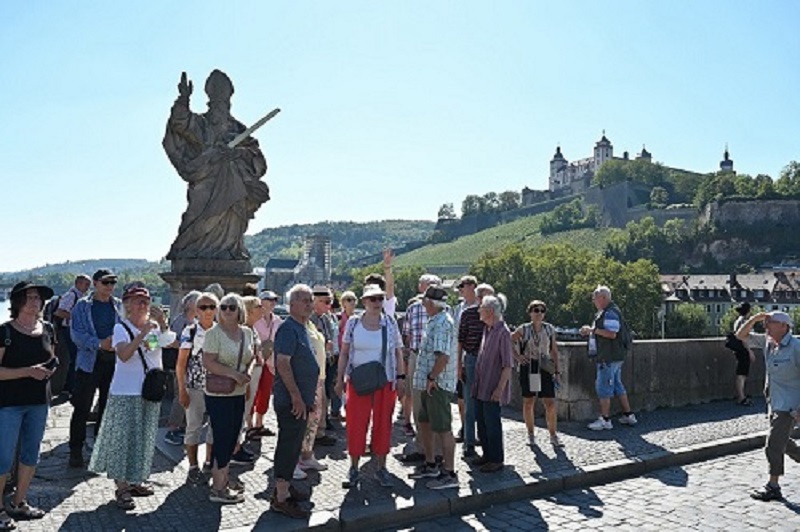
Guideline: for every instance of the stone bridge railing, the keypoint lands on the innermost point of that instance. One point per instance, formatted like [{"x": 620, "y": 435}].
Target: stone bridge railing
[{"x": 658, "y": 373}]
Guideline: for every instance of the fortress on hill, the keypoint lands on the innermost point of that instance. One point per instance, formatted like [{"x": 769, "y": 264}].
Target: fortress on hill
[{"x": 576, "y": 176}]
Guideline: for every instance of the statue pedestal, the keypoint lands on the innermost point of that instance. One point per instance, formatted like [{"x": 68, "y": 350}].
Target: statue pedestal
[{"x": 182, "y": 283}]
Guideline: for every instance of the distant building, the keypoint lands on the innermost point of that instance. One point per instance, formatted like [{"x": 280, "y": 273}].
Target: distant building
[
  {"x": 576, "y": 176},
  {"x": 778, "y": 290},
  {"x": 315, "y": 267}
]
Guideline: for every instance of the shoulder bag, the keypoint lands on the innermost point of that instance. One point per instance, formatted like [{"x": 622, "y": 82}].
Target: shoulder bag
[
  {"x": 222, "y": 384},
  {"x": 154, "y": 386},
  {"x": 368, "y": 378}
]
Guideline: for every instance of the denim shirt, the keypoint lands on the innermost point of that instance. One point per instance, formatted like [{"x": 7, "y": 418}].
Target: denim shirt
[
  {"x": 83, "y": 332},
  {"x": 783, "y": 373}
]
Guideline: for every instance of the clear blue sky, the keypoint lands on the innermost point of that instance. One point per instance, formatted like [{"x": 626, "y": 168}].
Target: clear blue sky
[{"x": 389, "y": 109}]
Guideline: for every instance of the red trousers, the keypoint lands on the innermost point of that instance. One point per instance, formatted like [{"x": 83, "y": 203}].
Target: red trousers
[
  {"x": 380, "y": 407},
  {"x": 261, "y": 404}
]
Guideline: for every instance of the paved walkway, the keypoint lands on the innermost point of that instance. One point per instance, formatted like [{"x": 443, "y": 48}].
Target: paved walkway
[
  {"x": 712, "y": 495},
  {"x": 76, "y": 500}
]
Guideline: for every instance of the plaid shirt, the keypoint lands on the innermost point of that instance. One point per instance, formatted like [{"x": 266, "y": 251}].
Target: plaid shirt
[
  {"x": 439, "y": 337},
  {"x": 414, "y": 324}
]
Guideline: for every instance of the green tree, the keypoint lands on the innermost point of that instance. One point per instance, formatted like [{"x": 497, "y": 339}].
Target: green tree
[
  {"x": 446, "y": 211},
  {"x": 472, "y": 204},
  {"x": 610, "y": 173},
  {"x": 509, "y": 200},
  {"x": 491, "y": 202},
  {"x": 788, "y": 184},
  {"x": 687, "y": 320},
  {"x": 405, "y": 281},
  {"x": 765, "y": 188},
  {"x": 659, "y": 197}
]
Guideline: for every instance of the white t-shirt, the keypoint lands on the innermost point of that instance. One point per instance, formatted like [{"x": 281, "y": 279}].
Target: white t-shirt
[
  {"x": 129, "y": 375},
  {"x": 366, "y": 346},
  {"x": 390, "y": 306}
]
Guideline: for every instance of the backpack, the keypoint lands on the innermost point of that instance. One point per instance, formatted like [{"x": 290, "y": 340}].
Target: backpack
[{"x": 49, "y": 311}]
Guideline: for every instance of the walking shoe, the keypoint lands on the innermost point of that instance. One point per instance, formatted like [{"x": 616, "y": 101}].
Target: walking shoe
[
  {"x": 460, "y": 436},
  {"x": 745, "y": 402},
  {"x": 352, "y": 478},
  {"x": 289, "y": 508},
  {"x": 630, "y": 420},
  {"x": 491, "y": 467},
  {"x": 235, "y": 485},
  {"x": 600, "y": 424},
  {"x": 299, "y": 474},
  {"x": 76, "y": 459},
  {"x": 325, "y": 441},
  {"x": 384, "y": 478},
  {"x": 768, "y": 493},
  {"x": 225, "y": 496},
  {"x": 196, "y": 477},
  {"x": 469, "y": 452},
  {"x": 408, "y": 430},
  {"x": 173, "y": 437},
  {"x": 554, "y": 441},
  {"x": 311, "y": 463},
  {"x": 412, "y": 458},
  {"x": 207, "y": 468},
  {"x": 443, "y": 481},
  {"x": 424, "y": 471},
  {"x": 242, "y": 457},
  {"x": 480, "y": 461},
  {"x": 531, "y": 439}
]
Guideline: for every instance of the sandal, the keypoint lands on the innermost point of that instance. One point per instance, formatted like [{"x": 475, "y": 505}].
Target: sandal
[
  {"x": 236, "y": 485},
  {"x": 24, "y": 511},
  {"x": 6, "y": 523},
  {"x": 224, "y": 496},
  {"x": 141, "y": 490},
  {"x": 253, "y": 433},
  {"x": 124, "y": 499}
]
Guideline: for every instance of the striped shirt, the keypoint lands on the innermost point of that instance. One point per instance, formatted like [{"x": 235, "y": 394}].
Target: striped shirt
[{"x": 470, "y": 330}]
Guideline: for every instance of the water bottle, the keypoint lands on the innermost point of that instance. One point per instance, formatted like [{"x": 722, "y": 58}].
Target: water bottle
[{"x": 151, "y": 340}]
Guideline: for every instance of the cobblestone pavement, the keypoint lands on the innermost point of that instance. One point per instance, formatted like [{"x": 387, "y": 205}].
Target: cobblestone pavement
[
  {"x": 712, "y": 495},
  {"x": 76, "y": 500}
]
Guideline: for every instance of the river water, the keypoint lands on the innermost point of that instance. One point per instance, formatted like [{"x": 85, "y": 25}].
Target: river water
[{"x": 4, "y": 306}]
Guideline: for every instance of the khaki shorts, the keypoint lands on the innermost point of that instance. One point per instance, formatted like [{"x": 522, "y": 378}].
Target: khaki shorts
[{"x": 435, "y": 409}]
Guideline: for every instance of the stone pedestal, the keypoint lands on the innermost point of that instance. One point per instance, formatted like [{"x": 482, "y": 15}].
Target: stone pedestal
[{"x": 180, "y": 283}]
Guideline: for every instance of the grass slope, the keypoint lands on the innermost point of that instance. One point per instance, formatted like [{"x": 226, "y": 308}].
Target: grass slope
[{"x": 525, "y": 231}]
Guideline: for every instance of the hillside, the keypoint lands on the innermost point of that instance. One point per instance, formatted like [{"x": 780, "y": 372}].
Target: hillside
[
  {"x": 86, "y": 266},
  {"x": 349, "y": 240},
  {"x": 525, "y": 231}
]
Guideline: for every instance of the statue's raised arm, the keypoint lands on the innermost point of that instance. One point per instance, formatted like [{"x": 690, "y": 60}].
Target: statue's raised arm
[{"x": 185, "y": 87}]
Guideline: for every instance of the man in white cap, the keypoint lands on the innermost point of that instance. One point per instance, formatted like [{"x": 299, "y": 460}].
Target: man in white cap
[{"x": 782, "y": 360}]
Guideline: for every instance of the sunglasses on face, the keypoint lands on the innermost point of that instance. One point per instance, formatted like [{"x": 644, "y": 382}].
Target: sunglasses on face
[
  {"x": 207, "y": 307},
  {"x": 538, "y": 310},
  {"x": 326, "y": 301},
  {"x": 348, "y": 300},
  {"x": 374, "y": 299},
  {"x": 109, "y": 282},
  {"x": 228, "y": 308}
]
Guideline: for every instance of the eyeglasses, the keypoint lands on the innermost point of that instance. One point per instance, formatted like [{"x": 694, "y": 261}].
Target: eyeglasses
[
  {"x": 228, "y": 308},
  {"x": 109, "y": 281},
  {"x": 349, "y": 300},
  {"x": 326, "y": 301},
  {"x": 207, "y": 307},
  {"x": 538, "y": 310},
  {"x": 374, "y": 299}
]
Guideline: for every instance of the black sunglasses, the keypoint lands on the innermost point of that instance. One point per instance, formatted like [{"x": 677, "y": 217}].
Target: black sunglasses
[
  {"x": 230, "y": 308},
  {"x": 538, "y": 310},
  {"x": 374, "y": 299},
  {"x": 109, "y": 281},
  {"x": 207, "y": 307}
]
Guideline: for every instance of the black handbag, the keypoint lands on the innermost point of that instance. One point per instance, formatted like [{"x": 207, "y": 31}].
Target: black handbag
[
  {"x": 368, "y": 378},
  {"x": 154, "y": 387}
]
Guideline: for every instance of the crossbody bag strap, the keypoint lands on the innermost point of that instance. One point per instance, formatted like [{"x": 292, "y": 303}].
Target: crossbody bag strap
[
  {"x": 384, "y": 342},
  {"x": 241, "y": 353},
  {"x": 138, "y": 349}
]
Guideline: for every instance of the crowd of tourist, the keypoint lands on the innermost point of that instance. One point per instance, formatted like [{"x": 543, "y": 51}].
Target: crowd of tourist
[{"x": 234, "y": 356}]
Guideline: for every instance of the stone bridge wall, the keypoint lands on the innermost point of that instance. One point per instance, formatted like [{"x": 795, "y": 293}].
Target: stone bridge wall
[{"x": 658, "y": 373}]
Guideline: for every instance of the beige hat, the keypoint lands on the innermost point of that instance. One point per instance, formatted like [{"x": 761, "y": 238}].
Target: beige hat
[{"x": 372, "y": 290}]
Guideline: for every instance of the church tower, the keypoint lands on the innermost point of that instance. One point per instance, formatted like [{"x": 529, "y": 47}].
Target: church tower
[
  {"x": 726, "y": 164},
  {"x": 557, "y": 165},
  {"x": 603, "y": 151}
]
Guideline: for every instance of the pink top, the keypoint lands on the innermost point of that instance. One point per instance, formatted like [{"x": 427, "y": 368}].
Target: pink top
[{"x": 266, "y": 331}]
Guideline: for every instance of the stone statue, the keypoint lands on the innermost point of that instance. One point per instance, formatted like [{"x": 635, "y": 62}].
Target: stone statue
[{"x": 225, "y": 189}]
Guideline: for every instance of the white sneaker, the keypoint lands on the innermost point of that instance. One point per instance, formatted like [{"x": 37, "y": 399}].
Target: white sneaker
[
  {"x": 630, "y": 419},
  {"x": 299, "y": 474},
  {"x": 600, "y": 424},
  {"x": 311, "y": 463}
]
